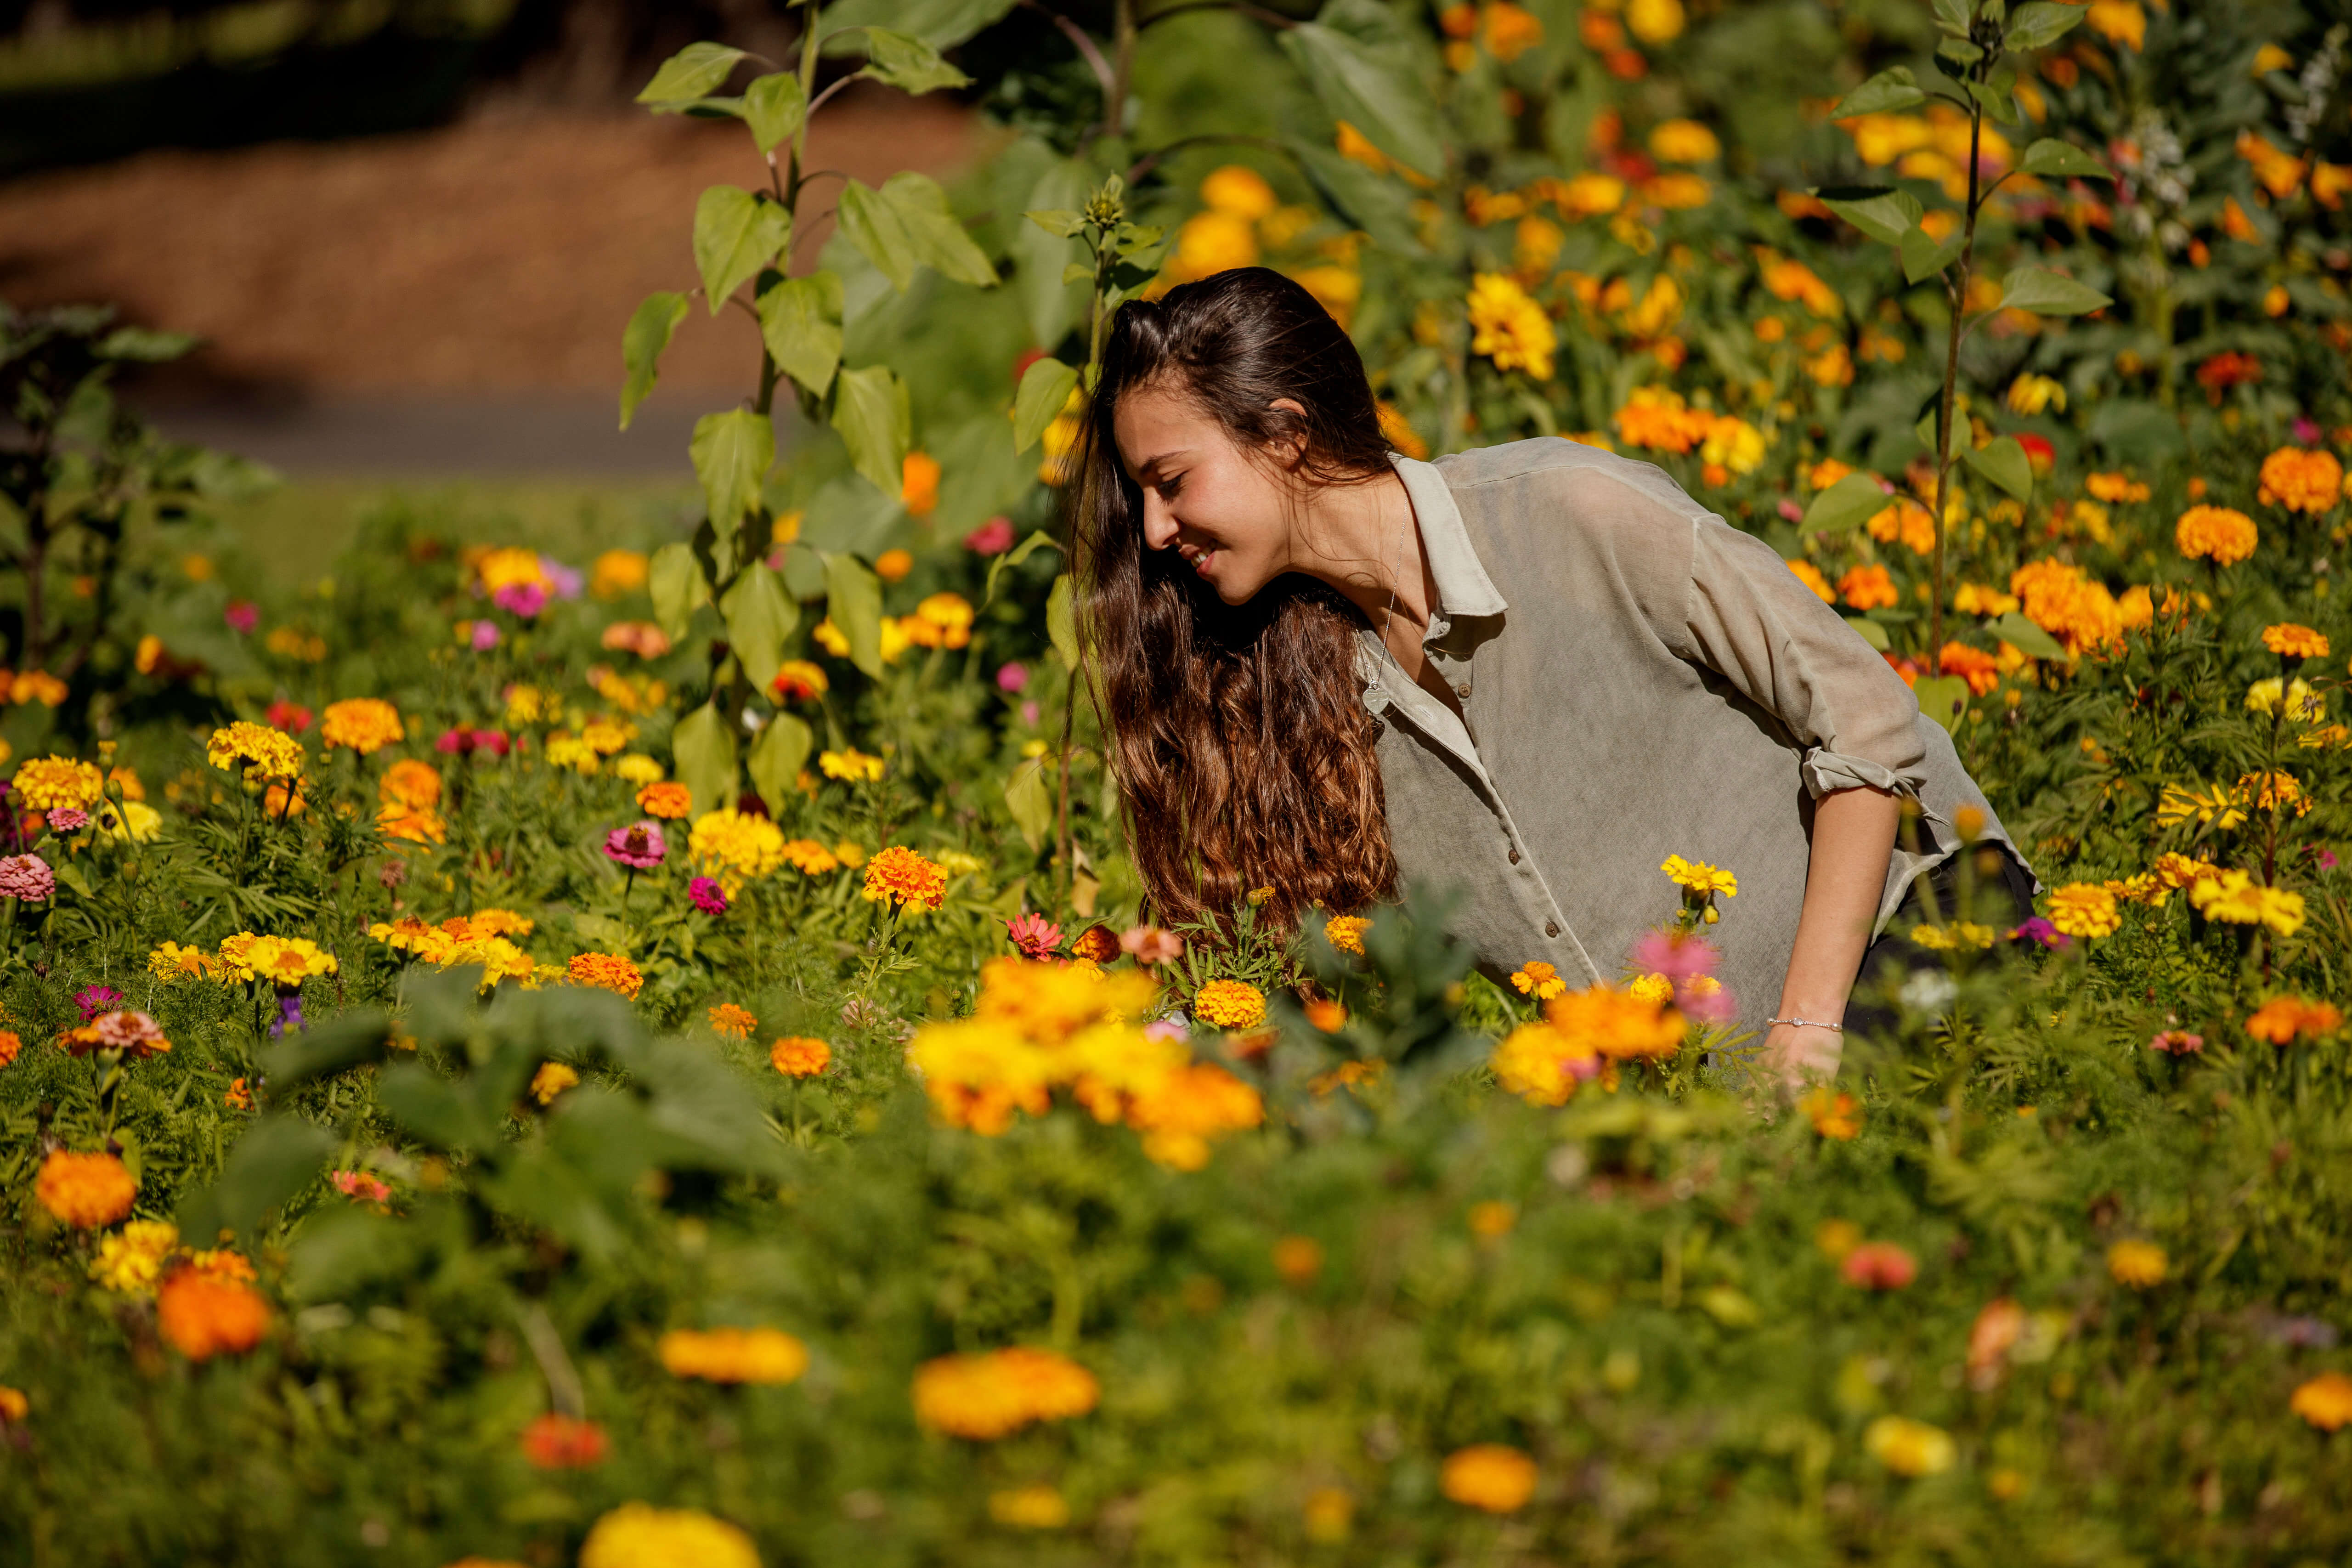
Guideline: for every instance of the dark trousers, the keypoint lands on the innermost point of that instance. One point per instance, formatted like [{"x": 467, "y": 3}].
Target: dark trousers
[{"x": 2004, "y": 900}]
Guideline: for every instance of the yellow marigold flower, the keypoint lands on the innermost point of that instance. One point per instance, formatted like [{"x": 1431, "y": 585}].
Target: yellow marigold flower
[
  {"x": 734, "y": 847},
  {"x": 1833, "y": 1114},
  {"x": 1905, "y": 519},
  {"x": 1684, "y": 141},
  {"x": 172, "y": 962},
  {"x": 2120, "y": 489},
  {"x": 1655, "y": 21},
  {"x": 904, "y": 879},
  {"x": 1240, "y": 191},
  {"x": 1489, "y": 1476},
  {"x": 733, "y": 1355},
  {"x": 799, "y": 1056},
  {"x": 1733, "y": 444},
  {"x": 1811, "y": 576},
  {"x": 639, "y": 1535},
  {"x": 2216, "y": 534},
  {"x": 605, "y": 738},
  {"x": 2289, "y": 640},
  {"x": 130, "y": 1262},
  {"x": 942, "y": 620},
  {"x": 1509, "y": 328},
  {"x": 1615, "y": 1024},
  {"x": 14, "y": 1405},
  {"x": 1178, "y": 1113},
  {"x": 262, "y": 751},
  {"x": 1909, "y": 1448},
  {"x": 1960, "y": 936},
  {"x": 2030, "y": 394},
  {"x": 88, "y": 1192},
  {"x": 1230, "y": 1005},
  {"x": 566, "y": 750},
  {"x": 618, "y": 572},
  {"x": 365, "y": 724},
  {"x": 1542, "y": 1066},
  {"x": 608, "y": 971},
  {"x": 2207, "y": 805},
  {"x": 2084, "y": 909},
  {"x": 290, "y": 642},
  {"x": 2303, "y": 704},
  {"x": 2268, "y": 791},
  {"x": 732, "y": 1022},
  {"x": 1657, "y": 989},
  {"x": 1212, "y": 242},
  {"x": 552, "y": 1079},
  {"x": 284, "y": 961},
  {"x": 2138, "y": 1264},
  {"x": 1700, "y": 882},
  {"x": 2300, "y": 480},
  {"x": 1538, "y": 980},
  {"x": 2325, "y": 1402},
  {"x": 809, "y": 858},
  {"x": 850, "y": 766},
  {"x": 1038, "y": 1507},
  {"x": 51, "y": 784},
  {"x": 996, "y": 1393},
  {"x": 1346, "y": 933},
  {"x": 510, "y": 566},
  {"x": 849, "y": 853}
]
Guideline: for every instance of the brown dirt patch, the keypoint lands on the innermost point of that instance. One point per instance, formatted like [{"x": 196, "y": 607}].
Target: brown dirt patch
[{"x": 496, "y": 254}]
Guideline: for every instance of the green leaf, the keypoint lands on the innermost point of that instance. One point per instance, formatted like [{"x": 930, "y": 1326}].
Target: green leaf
[
  {"x": 1062, "y": 223},
  {"x": 852, "y": 597},
  {"x": 273, "y": 1160},
  {"x": 1849, "y": 503},
  {"x": 760, "y": 616},
  {"x": 869, "y": 410},
  {"x": 1373, "y": 89},
  {"x": 776, "y": 106},
  {"x": 345, "y": 1041},
  {"x": 1885, "y": 215},
  {"x": 800, "y": 322},
  {"x": 1888, "y": 93},
  {"x": 2004, "y": 463},
  {"x": 1959, "y": 51},
  {"x": 1995, "y": 100},
  {"x": 690, "y": 74},
  {"x": 2039, "y": 24},
  {"x": 908, "y": 224},
  {"x": 144, "y": 345},
  {"x": 942, "y": 24},
  {"x": 905, "y": 62},
  {"x": 2047, "y": 293},
  {"x": 1013, "y": 557},
  {"x": 2051, "y": 158},
  {"x": 1944, "y": 698},
  {"x": 1040, "y": 253},
  {"x": 673, "y": 577},
  {"x": 643, "y": 340},
  {"x": 732, "y": 453},
  {"x": 777, "y": 758},
  {"x": 735, "y": 233},
  {"x": 1922, "y": 257},
  {"x": 1045, "y": 388},
  {"x": 2026, "y": 637},
  {"x": 1030, "y": 801},
  {"x": 1871, "y": 632},
  {"x": 1952, "y": 16},
  {"x": 1925, "y": 430},
  {"x": 1380, "y": 207},
  {"x": 703, "y": 745},
  {"x": 1061, "y": 621}
]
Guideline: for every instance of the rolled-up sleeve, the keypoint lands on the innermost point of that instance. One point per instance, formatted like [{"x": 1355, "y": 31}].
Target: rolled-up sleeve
[{"x": 1750, "y": 619}]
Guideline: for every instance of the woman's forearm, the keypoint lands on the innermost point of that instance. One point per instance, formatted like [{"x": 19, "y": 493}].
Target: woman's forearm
[{"x": 1854, "y": 837}]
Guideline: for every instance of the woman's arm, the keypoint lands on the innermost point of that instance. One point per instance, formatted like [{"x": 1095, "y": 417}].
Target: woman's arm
[{"x": 1854, "y": 837}]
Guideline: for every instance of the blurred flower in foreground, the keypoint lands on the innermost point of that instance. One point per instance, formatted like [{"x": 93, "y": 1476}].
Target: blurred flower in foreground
[
  {"x": 996, "y": 1393},
  {"x": 1909, "y": 1448},
  {"x": 1489, "y": 1476},
  {"x": 2138, "y": 1264},
  {"x": 638, "y": 1535}
]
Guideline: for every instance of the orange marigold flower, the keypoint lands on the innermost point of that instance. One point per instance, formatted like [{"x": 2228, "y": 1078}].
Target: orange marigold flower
[
  {"x": 1617, "y": 1024},
  {"x": 365, "y": 724},
  {"x": 1096, "y": 944},
  {"x": 2138, "y": 1264},
  {"x": 2300, "y": 480},
  {"x": 2325, "y": 1401},
  {"x": 2282, "y": 1020},
  {"x": 1833, "y": 1114},
  {"x": 2216, "y": 534},
  {"x": 1326, "y": 1015},
  {"x": 1489, "y": 1476},
  {"x": 1811, "y": 576},
  {"x": 734, "y": 1355},
  {"x": 609, "y": 971},
  {"x": 2289, "y": 640},
  {"x": 87, "y": 1191},
  {"x": 2117, "y": 488},
  {"x": 1538, "y": 980},
  {"x": 732, "y": 1022},
  {"x": 668, "y": 800},
  {"x": 902, "y": 879},
  {"x": 1346, "y": 933},
  {"x": 555, "y": 1442},
  {"x": 1978, "y": 667},
  {"x": 411, "y": 784},
  {"x": 1869, "y": 588},
  {"x": 992, "y": 1395},
  {"x": 204, "y": 1312},
  {"x": 10, "y": 1044},
  {"x": 800, "y": 1055},
  {"x": 1230, "y": 1005}
]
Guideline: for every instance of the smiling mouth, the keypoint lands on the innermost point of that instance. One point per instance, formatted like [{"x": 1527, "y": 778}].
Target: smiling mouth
[{"x": 1199, "y": 561}]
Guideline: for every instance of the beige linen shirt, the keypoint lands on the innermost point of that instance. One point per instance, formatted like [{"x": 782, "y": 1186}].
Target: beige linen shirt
[{"x": 1657, "y": 683}]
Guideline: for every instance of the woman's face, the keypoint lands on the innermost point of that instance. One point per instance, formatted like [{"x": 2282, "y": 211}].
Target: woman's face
[{"x": 1205, "y": 497}]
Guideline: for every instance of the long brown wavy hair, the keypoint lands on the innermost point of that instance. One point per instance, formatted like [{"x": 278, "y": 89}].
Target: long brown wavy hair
[{"x": 1237, "y": 733}]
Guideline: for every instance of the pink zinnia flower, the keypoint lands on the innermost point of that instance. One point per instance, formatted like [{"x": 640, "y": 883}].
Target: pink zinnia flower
[
  {"x": 242, "y": 616},
  {"x": 708, "y": 895},
  {"x": 1149, "y": 944},
  {"x": 95, "y": 999},
  {"x": 1879, "y": 1266},
  {"x": 361, "y": 1187},
  {"x": 1013, "y": 678},
  {"x": 1164, "y": 1029},
  {"x": 523, "y": 599},
  {"x": 640, "y": 848},
  {"x": 1677, "y": 955},
  {"x": 27, "y": 876},
  {"x": 568, "y": 582},
  {"x": 484, "y": 635},
  {"x": 2176, "y": 1042},
  {"x": 68, "y": 819},
  {"x": 1034, "y": 935},
  {"x": 993, "y": 537},
  {"x": 121, "y": 1031}
]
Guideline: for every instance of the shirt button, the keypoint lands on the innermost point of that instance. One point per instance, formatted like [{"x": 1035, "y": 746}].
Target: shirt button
[
  {"x": 1462, "y": 689},
  {"x": 1515, "y": 857},
  {"x": 1551, "y": 928}
]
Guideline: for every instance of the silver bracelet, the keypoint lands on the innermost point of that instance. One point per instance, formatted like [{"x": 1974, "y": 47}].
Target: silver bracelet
[{"x": 1807, "y": 1024}]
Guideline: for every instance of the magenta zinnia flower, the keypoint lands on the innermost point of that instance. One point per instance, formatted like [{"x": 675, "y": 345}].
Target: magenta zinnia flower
[
  {"x": 523, "y": 599},
  {"x": 2041, "y": 930},
  {"x": 27, "y": 876},
  {"x": 640, "y": 848},
  {"x": 1034, "y": 935},
  {"x": 1677, "y": 955},
  {"x": 708, "y": 895},
  {"x": 95, "y": 999},
  {"x": 242, "y": 616}
]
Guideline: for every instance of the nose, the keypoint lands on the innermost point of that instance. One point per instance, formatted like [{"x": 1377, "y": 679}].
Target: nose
[{"x": 1159, "y": 522}]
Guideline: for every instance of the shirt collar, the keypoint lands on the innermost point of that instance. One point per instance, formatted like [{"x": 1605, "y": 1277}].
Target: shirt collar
[{"x": 1462, "y": 587}]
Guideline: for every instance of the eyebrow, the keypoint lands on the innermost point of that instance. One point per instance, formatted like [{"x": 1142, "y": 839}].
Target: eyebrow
[{"x": 1152, "y": 463}]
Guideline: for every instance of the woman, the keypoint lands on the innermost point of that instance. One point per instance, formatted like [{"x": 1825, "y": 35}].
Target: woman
[{"x": 1533, "y": 672}]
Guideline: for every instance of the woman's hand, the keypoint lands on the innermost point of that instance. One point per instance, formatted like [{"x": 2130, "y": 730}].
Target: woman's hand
[{"x": 1853, "y": 837}]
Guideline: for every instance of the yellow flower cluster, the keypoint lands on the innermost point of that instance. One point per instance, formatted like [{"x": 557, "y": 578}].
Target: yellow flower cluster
[
  {"x": 1538, "y": 980},
  {"x": 262, "y": 753},
  {"x": 2084, "y": 909},
  {"x": 1229, "y": 1005},
  {"x": 52, "y": 783},
  {"x": 365, "y": 724},
  {"x": 734, "y": 847},
  {"x": 1346, "y": 933},
  {"x": 2141, "y": 1265},
  {"x": 997, "y": 1392},
  {"x": 809, "y": 857},
  {"x": 2234, "y": 898},
  {"x": 480, "y": 938},
  {"x": 1511, "y": 328},
  {"x": 1700, "y": 882},
  {"x": 943, "y": 620},
  {"x": 130, "y": 1262},
  {"x": 734, "y": 1355},
  {"x": 618, "y": 572},
  {"x": 1583, "y": 1034},
  {"x": 510, "y": 566},
  {"x": 850, "y": 766},
  {"x": 606, "y": 972},
  {"x": 639, "y": 1535}
]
